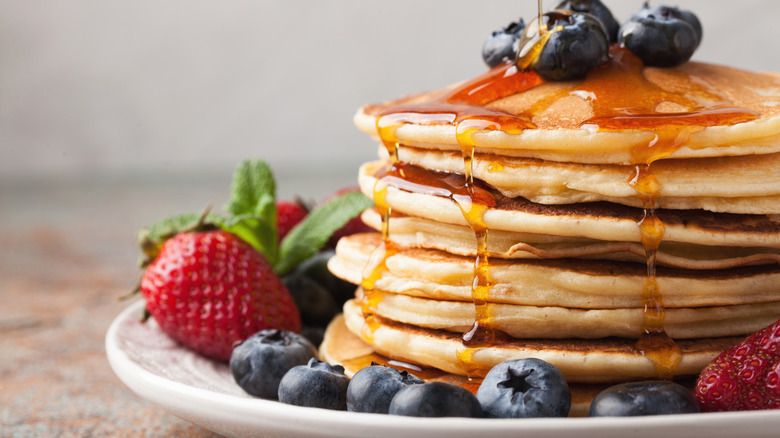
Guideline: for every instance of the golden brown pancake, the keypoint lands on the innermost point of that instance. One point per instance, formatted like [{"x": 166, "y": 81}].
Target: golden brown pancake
[
  {"x": 601, "y": 360},
  {"x": 584, "y": 284},
  {"x": 340, "y": 346},
  {"x": 596, "y": 220},
  {"x": 562, "y": 110},
  {"x": 415, "y": 232}
]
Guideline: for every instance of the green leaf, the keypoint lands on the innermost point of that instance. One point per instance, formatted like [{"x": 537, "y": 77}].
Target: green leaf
[
  {"x": 253, "y": 191},
  {"x": 253, "y": 205},
  {"x": 246, "y": 226},
  {"x": 152, "y": 237},
  {"x": 311, "y": 235}
]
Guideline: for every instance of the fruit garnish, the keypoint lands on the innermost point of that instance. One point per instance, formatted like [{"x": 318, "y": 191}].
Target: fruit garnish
[
  {"x": 570, "y": 44},
  {"x": 315, "y": 385},
  {"x": 598, "y": 10},
  {"x": 212, "y": 280},
  {"x": 435, "y": 399},
  {"x": 288, "y": 215},
  {"x": 661, "y": 36},
  {"x": 744, "y": 377},
  {"x": 525, "y": 388},
  {"x": 259, "y": 363},
  {"x": 372, "y": 388},
  {"x": 353, "y": 226},
  {"x": 656, "y": 397},
  {"x": 500, "y": 46},
  {"x": 209, "y": 289}
]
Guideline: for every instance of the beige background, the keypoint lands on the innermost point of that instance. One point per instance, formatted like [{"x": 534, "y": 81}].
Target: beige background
[{"x": 96, "y": 89}]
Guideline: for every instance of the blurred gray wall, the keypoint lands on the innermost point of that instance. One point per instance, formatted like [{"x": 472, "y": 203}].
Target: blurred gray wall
[{"x": 175, "y": 87}]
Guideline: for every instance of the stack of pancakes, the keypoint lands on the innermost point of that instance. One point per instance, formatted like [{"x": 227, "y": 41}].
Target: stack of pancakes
[{"x": 621, "y": 227}]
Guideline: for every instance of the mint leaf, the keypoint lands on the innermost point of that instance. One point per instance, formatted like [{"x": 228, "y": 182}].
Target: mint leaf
[
  {"x": 246, "y": 227},
  {"x": 253, "y": 205},
  {"x": 253, "y": 191},
  {"x": 311, "y": 235}
]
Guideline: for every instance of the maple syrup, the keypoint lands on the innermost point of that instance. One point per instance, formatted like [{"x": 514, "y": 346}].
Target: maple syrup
[{"x": 614, "y": 109}]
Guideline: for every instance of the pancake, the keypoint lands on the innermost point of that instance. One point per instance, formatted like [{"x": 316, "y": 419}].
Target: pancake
[
  {"x": 414, "y": 232},
  {"x": 583, "y": 361},
  {"x": 340, "y": 346},
  {"x": 600, "y": 221},
  {"x": 566, "y": 126},
  {"x": 753, "y": 182},
  {"x": 584, "y": 284},
  {"x": 549, "y": 322}
]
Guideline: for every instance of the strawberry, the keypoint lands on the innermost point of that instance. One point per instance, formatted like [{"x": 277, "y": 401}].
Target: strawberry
[
  {"x": 353, "y": 226},
  {"x": 212, "y": 280},
  {"x": 745, "y": 377},
  {"x": 289, "y": 214},
  {"x": 209, "y": 290}
]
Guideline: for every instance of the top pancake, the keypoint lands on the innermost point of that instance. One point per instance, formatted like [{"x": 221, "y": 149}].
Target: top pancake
[{"x": 566, "y": 122}]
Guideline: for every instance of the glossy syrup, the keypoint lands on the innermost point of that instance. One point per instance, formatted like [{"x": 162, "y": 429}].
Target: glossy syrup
[{"x": 614, "y": 109}]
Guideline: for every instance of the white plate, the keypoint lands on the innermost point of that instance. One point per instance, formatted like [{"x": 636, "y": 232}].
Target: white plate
[{"x": 203, "y": 392}]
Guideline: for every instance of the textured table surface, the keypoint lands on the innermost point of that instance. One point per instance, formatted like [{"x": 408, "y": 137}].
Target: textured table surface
[{"x": 67, "y": 253}]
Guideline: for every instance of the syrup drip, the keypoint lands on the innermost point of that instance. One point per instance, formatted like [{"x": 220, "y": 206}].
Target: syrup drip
[{"x": 613, "y": 110}]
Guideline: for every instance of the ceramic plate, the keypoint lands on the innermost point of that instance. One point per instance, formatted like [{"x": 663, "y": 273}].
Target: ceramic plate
[{"x": 203, "y": 392}]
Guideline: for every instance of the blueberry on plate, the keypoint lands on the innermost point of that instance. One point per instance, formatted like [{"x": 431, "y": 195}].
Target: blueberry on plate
[
  {"x": 372, "y": 388},
  {"x": 655, "y": 397},
  {"x": 260, "y": 362},
  {"x": 681, "y": 14},
  {"x": 660, "y": 39},
  {"x": 598, "y": 10},
  {"x": 316, "y": 268},
  {"x": 315, "y": 303},
  {"x": 577, "y": 43},
  {"x": 525, "y": 388},
  {"x": 315, "y": 385},
  {"x": 435, "y": 399},
  {"x": 501, "y": 44}
]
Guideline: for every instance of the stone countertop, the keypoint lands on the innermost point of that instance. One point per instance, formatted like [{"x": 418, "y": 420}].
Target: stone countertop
[{"x": 67, "y": 253}]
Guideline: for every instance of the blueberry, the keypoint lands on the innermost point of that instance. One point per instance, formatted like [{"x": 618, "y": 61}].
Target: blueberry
[
  {"x": 260, "y": 362},
  {"x": 500, "y": 45},
  {"x": 435, "y": 399},
  {"x": 681, "y": 14},
  {"x": 315, "y": 385},
  {"x": 315, "y": 303},
  {"x": 315, "y": 335},
  {"x": 656, "y": 397},
  {"x": 577, "y": 43},
  {"x": 525, "y": 388},
  {"x": 316, "y": 268},
  {"x": 598, "y": 10},
  {"x": 659, "y": 38},
  {"x": 372, "y": 388}
]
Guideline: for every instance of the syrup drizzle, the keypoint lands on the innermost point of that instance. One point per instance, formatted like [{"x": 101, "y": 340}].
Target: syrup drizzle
[{"x": 614, "y": 110}]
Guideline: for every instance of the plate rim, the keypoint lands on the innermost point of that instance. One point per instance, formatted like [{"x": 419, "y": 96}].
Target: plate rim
[{"x": 241, "y": 413}]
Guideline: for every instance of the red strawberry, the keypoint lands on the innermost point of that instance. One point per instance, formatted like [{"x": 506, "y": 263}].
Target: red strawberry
[
  {"x": 745, "y": 377},
  {"x": 288, "y": 215},
  {"x": 354, "y": 226},
  {"x": 209, "y": 290}
]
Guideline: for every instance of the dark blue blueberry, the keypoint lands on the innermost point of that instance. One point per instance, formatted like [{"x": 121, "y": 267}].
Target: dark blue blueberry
[
  {"x": 682, "y": 14},
  {"x": 315, "y": 303},
  {"x": 501, "y": 44},
  {"x": 316, "y": 268},
  {"x": 656, "y": 397},
  {"x": 435, "y": 399},
  {"x": 315, "y": 385},
  {"x": 659, "y": 38},
  {"x": 598, "y": 10},
  {"x": 372, "y": 388},
  {"x": 259, "y": 363},
  {"x": 525, "y": 388},
  {"x": 577, "y": 43}
]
